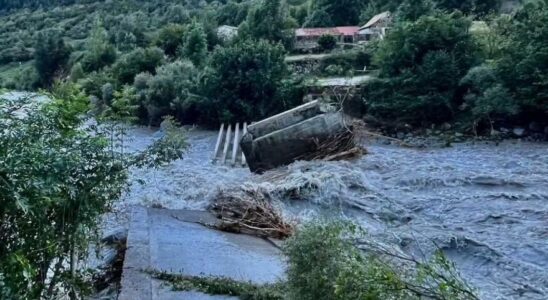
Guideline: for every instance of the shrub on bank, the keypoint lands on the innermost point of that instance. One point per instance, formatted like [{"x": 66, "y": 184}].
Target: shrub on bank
[{"x": 324, "y": 262}]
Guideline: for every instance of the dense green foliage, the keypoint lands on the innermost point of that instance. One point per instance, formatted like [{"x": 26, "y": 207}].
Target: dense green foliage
[
  {"x": 268, "y": 20},
  {"x": 50, "y": 199},
  {"x": 325, "y": 263},
  {"x": 135, "y": 62},
  {"x": 50, "y": 56},
  {"x": 195, "y": 45},
  {"x": 56, "y": 178},
  {"x": 436, "y": 69},
  {"x": 421, "y": 64},
  {"x": 171, "y": 91},
  {"x": 99, "y": 51},
  {"x": 523, "y": 65},
  {"x": 119, "y": 47},
  {"x": 341, "y": 12},
  {"x": 327, "y": 42},
  {"x": 244, "y": 80}
]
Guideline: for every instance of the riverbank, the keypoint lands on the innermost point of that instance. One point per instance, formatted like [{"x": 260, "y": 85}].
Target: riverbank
[{"x": 446, "y": 136}]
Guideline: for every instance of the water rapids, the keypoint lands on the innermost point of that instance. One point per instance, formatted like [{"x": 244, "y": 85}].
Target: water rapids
[{"x": 485, "y": 206}]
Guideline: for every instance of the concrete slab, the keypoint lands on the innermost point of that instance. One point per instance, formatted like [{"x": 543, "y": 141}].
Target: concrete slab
[
  {"x": 284, "y": 145},
  {"x": 177, "y": 242}
]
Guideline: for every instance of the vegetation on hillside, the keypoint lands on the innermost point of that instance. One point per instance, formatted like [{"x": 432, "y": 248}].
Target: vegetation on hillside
[{"x": 165, "y": 58}]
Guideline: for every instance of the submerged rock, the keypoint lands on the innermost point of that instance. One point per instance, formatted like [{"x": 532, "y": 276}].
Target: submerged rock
[
  {"x": 535, "y": 126},
  {"x": 519, "y": 131}
]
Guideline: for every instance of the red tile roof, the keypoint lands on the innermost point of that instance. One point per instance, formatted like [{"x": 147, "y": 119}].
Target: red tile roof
[{"x": 347, "y": 30}]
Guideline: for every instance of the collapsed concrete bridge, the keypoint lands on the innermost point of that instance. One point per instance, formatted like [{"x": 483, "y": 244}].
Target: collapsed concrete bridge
[{"x": 313, "y": 130}]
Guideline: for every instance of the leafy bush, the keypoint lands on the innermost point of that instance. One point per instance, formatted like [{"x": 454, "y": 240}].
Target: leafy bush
[
  {"x": 486, "y": 96},
  {"x": 135, "y": 62},
  {"x": 318, "y": 18},
  {"x": 243, "y": 82},
  {"x": 342, "y": 12},
  {"x": 99, "y": 51},
  {"x": 170, "y": 147},
  {"x": 195, "y": 47},
  {"x": 54, "y": 183},
  {"x": 25, "y": 78},
  {"x": 170, "y": 38},
  {"x": 348, "y": 60},
  {"x": 77, "y": 72},
  {"x": 334, "y": 70},
  {"x": 171, "y": 91},
  {"x": 421, "y": 64},
  {"x": 56, "y": 178},
  {"x": 325, "y": 263},
  {"x": 327, "y": 42},
  {"x": 94, "y": 82},
  {"x": 524, "y": 62},
  {"x": 267, "y": 20}
]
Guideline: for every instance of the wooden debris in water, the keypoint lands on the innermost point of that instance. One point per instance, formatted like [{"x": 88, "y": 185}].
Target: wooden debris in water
[
  {"x": 250, "y": 212},
  {"x": 340, "y": 147}
]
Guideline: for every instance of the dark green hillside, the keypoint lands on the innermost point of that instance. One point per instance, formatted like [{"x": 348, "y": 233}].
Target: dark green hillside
[{"x": 162, "y": 57}]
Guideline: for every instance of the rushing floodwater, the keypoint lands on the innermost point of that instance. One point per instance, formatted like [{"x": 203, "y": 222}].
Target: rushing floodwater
[{"x": 485, "y": 206}]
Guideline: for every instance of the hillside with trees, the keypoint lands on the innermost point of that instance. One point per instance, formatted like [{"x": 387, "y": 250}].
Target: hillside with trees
[{"x": 165, "y": 57}]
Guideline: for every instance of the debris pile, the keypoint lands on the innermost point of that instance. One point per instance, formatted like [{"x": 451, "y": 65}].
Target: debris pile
[{"x": 250, "y": 211}]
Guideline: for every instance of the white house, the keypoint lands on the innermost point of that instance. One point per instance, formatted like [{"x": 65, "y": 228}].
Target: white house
[{"x": 376, "y": 28}]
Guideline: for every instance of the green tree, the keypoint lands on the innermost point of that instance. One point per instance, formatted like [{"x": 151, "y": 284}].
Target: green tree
[
  {"x": 342, "y": 12},
  {"x": 478, "y": 7},
  {"x": 55, "y": 181},
  {"x": 99, "y": 51},
  {"x": 324, "y": 263},
  {"x": 172, "y": 91},
  {"x": 243, "y": 82},
  {"x": 77, "y": 72},
  {"x": 487, "y": 99},
  {"x": 170, "y": 38},
  {"x": 233, "y": 13},
  {"x": 421, "y": 64},
  {"x": 177, "y": 14},
  {"x": 327, "y": 42},
  {"x": 50, "y": 55},
  {"x": 318, "y": 18},
  {"x": 266, "y": 20},
  {"x": 195, "y": 47},
  {"x": 412, "y": 10},
  {"x": 135, "y": 62},
  {"x": 523, "y": 65}
]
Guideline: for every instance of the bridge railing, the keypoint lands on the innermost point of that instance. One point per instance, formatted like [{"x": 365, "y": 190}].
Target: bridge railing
[{"x": 227, "y": 149}]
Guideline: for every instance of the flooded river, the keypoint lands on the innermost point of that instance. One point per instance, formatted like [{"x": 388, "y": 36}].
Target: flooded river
[{"x": 485, "y": 206}]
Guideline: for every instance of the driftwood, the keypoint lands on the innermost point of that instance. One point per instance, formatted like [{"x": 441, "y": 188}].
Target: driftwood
[
  {"x": 251, "y": 212},
  {"x": 341, "y": 146}
]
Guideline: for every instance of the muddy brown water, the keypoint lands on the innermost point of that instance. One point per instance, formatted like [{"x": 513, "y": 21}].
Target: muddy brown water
[{"x": 485, "y": 206}]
